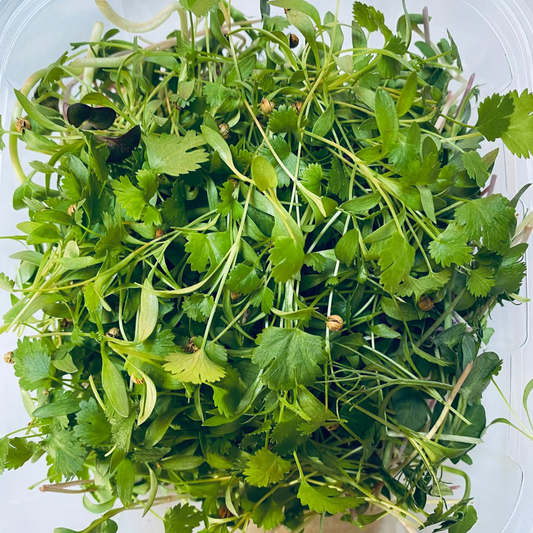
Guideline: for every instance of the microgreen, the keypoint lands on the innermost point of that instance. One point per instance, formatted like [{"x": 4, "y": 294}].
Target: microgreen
[{"x": 259, "y": 272}]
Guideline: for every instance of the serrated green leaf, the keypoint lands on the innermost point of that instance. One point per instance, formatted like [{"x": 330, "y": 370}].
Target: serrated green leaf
[
  {"x": 324, "y": 499},
  {"x": 182, "y": 518},
  {"x": 92, "y": 428},
  {"x": 519, "y": 136},
  {"x": 265, "y": 468},
  {"x": 451, "y": 247},
  {"x": 68, "y": 454},
  {"x": 494, "y": 116},
  {"x": 173, "y": 155},
  {"x": 283, "y": 120},
  {"x": 370, "y": 18},
  {"x": 195, "y": 367},
  {"x": 480, "y": 281},
  {"x": 290, "y": 357},
  {"x": 476, "y": 168},
  {"x": 490, "y": 219},
  {"x": 243, "y": 279}
]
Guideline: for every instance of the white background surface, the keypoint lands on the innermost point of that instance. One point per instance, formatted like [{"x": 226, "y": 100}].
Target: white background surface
[{"x": 490, "y": 47}]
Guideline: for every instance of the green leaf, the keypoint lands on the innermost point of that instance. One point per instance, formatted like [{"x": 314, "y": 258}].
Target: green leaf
[
  {"x": 66, "y": 451},
  {"x": 173, "y": 155},
  {"x": 338, "y": 182},
  {"x": 125, "y": 479},
  {"x": 299, "y": 5},
  {"x": 325, "y": 499},
  {"x": 77, "y": 263},
  {"x": 148, "y": 398},
  {"x": 44, "y": 233},
  {"x": 362, "y": 204},
  {"x": 418, "y": 287},
  {"x": 325, "y": 121},
  {"x": 370, "y": 18},
  {"x": 152, "y": 493},
  {"x": 384, "y": 331},
  {"x": 198, "y": 306},
  {"x": 312, "y": 178},
  {"x": 263, "y": 298},
  {"x": 20, "y": 452},
  {"x": 428, "y": 202},
  {"x": 32, "y": 363},
  {"x": 207, "y": 249},
  {"x": 200, "y": 8},
  {"x": 195, "y": 367},
  {"x": 182, "y": 518},
  {"x": 398, "y": 310},
  {"x": 387, "y": 119},
  {"x": 217, "y": 142},
  {"x": 451, "y": 246},
  {"x": 485, "y": 366},
  {"x": 476, "y": 167},
  {"x": 347, "y": 247},
  {"x": 121, "y": 428},
  {"x": 149, "y": 455},
  {"x": 408, "y": 94},
  {"x": 410, "y": 408},
  {"x": 290, "y": 357},
  {"x": 115, "y": 387},
  {"x": 491, "y": 219},
  {"x": 216, "y": 93},
  {"x": 92, "y": 427},
  {"x": 494, "y": 116},
  {"x": 519, "y": 137},
  {"x": 264, "y": 174},
  {"x": 265, "y": 468},
  {"x": 4, "y": 447},
  {"x": 396, "y": 259},
  {"x": 35, "y": 114},
  {"x": 57, "y": 408},
  {"x": 455, "y": 51},
  {"x": 287, "y": 256},
  {"x": 6, "y": 284},
  {"x": 229, "y": 204},
  {"x": 480, "y": 281},
  {"x": 158, "y": 428},
  {"x": 283, "y": 120},
  {"x": 136, "y": 202},
  {"x": 227, "y": 393},
  {"x": 147, "y": 315},
  {"x": 243, "y": 279},
  {"x": 303, "y": 23},
  {"x": 182, "y": 462},
  {"x": 467, "y": 521},
  {"x": 269, "y": 514}
]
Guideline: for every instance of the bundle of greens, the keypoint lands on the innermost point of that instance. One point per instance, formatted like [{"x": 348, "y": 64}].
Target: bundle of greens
[{"x": 258, "y": 272}]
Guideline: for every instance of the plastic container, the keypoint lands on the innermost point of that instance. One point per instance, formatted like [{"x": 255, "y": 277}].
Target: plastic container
[{"x": 495, "y": 38}]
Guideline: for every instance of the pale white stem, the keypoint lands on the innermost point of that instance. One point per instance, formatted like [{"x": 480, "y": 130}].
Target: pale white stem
[
  {"x": 141, "y": 27},
  {"x": 88, "y": 73}
]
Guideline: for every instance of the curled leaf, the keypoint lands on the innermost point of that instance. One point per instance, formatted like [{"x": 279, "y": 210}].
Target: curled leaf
[{"x": 120, "y": 148}]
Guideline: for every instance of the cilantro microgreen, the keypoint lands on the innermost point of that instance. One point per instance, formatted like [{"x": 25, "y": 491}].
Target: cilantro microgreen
[{"x": 259, "y": 272}]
